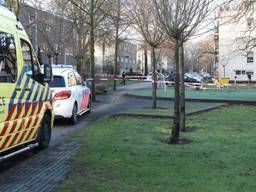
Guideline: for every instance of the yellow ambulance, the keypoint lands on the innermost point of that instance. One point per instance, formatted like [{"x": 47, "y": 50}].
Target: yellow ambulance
[{"x": 26, "y": 116}]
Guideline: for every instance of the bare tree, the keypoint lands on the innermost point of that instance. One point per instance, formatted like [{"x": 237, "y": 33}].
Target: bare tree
[
  {"x": 118, "y": 18},
  {"x": 15, "y": 5},
  {"x": 200, "y": 56},
  {"x": 180, "y": 19},
  {"x": 142, "y": 13},
  {"x": 81, "y": 44},
  {"x": 94, "y": 10}
]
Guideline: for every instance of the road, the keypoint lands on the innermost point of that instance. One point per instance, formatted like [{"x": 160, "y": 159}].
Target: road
[{"x": 43, "y": 171}]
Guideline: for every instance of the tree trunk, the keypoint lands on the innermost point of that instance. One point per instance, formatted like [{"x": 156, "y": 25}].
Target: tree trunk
[
  {"x": 115, "y": 60},
  {"x": 92, "y": 61},
  {"x": 174, "y": 139},
  {"x": 117, "y": 25},
  {"x": 56, "y": 59},
  {"x": 182, "y": 91},
  {"x": 146, "y": 61},
  {"x": 154, "y": 78},
  {"x": 49, "y": 59},
  {"x": 18, "y": 7}
]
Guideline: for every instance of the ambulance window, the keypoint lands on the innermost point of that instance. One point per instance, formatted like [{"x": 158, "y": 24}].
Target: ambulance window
[
  {"x": 29, "y": 62},
  {"x": 71, "y": 79},
  {"x": 8, "y": 59}
]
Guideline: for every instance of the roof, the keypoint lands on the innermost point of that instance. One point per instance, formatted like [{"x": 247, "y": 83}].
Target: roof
[
  {"x": 61, "y": 71},
  {"x": 7, "y": 13},
  {"x": 9, "y": 23}
]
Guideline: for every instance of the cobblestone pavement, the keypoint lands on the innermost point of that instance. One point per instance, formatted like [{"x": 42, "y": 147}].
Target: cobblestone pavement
[
  {"x": 43, "y": 171},
  {"x": 47, "y": 169}
]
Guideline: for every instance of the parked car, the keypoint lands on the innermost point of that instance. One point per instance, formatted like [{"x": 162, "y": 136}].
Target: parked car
[
  {"x": 188, "y": 78},
  {"x": 170, "y": 80},
  {"x": 71, "y": 96},
  {"x": 160, "y": 77}
]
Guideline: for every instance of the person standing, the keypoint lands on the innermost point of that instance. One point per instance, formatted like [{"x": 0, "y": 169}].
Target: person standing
[{"x": 123, "y": 78}]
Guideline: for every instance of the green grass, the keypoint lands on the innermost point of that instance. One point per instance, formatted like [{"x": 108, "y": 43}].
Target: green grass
[
  {"x": 226, "y": 94},
  {"x": 126, "y": 155},
  {"x": 109, "y": 84},
  {"x": 168, "y": 111}
]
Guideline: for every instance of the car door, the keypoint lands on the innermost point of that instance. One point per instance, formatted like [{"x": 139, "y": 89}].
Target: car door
[
  {"x": 32, "y": 97},
  {"x": 9, "y": 73},
  {"x": 82, "y": 93},
  {"x": 72, "y": 84}
]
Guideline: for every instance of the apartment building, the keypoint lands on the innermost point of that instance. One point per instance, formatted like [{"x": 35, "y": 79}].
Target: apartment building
[
  {"x": 53, "y": 35},
  {"x": 104, "y": 57},
  {"x": 234, "y": 44},
  {"x": 164, "y": 58}
]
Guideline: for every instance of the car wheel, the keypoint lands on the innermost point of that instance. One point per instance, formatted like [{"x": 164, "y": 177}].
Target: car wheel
[
  {"x": 73, "y": 119},
  {"x": 45, "y": 133}
]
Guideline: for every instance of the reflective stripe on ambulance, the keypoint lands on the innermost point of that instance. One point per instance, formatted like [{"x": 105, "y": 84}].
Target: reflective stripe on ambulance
[{"x": 25, "y": 112}]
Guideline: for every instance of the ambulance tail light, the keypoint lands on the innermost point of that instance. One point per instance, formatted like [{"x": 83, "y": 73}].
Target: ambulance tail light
[{"x": 62, "y": 95}]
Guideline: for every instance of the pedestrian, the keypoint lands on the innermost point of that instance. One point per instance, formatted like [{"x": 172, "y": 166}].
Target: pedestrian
[
  {"x": 123, "y": 78},
  {"x": 249, "y": 75},
  {"x": 235, "y": 83}
]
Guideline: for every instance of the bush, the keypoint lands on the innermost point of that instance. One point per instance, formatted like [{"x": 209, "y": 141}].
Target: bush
[{"x": 101, "y": 89}]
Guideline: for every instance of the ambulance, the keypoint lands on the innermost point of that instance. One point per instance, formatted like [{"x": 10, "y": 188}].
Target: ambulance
[{"x": 26, "y": 112}]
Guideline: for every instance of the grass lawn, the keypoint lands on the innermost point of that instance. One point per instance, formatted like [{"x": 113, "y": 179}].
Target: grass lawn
[
  {"x": 126, "y": 155},
  {"x": 190, "y": 107},
  {"x": 109, "y": 84},
  {"x": 227, "y": 94}
]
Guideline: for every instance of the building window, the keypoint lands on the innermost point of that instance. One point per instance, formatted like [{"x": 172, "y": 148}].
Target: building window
[
  {"x": 32, "y": 19},
  {"x": 243, "y": 72},
  {"x": 238, "y": 72},
  {"x": 250, "y": 58},
  {"x": 250, "y": 22}
]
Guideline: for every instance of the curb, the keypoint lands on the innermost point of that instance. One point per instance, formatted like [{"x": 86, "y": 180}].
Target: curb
[
  {"x": 144, "y": 116},
  {"x": 195, "y": 100}
]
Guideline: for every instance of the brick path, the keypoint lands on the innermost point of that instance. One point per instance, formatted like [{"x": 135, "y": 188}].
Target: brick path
[{"x": 47, "y": 169}]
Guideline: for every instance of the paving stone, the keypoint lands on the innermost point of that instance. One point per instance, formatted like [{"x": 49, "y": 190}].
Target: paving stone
[{"x": 45, "y": 171}]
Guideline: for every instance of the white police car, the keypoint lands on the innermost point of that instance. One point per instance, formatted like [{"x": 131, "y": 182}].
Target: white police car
[{"x": 71, "y": 96}]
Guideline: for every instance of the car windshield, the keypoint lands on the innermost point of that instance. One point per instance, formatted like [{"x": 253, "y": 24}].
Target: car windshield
[{"x": 58, "y": 81}]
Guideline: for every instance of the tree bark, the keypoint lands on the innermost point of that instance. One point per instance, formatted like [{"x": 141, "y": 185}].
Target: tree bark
[
  {"x": 18, "y": 7},
  {"x": 146, "y": 61},
  {"x": 154, "y": 78},
  {"x": 182, "y": 91},
  {"x": 56, "y": 59},
  {"x": 115, "y": 60},
  {"x": 117, "y": 23},
  {"x": 174, "y": 139},
  {"x": 92, "y": 43}
]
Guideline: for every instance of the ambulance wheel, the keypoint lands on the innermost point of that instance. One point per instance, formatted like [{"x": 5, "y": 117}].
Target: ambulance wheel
[
  {"x": 73, "y": 119},
  {"x": 45, "y": 133}
]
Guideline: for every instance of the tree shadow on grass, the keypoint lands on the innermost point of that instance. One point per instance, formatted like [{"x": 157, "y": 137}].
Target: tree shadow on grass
[{"x": 181, "y": 142}]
